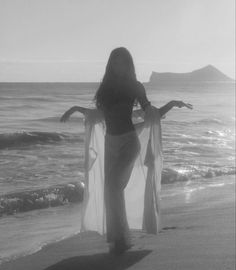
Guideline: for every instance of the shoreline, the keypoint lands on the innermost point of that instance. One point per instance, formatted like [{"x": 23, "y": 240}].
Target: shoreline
[{"x": 197, "y": 233}]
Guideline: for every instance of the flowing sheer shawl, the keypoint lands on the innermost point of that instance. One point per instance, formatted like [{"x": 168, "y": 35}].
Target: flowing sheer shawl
[{"x": 142, "y": 194}]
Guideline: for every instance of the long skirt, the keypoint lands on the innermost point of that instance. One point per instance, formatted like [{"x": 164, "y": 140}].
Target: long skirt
[
  {"x": 112, "y": 167},
  {"x": 121, "y": 152}
]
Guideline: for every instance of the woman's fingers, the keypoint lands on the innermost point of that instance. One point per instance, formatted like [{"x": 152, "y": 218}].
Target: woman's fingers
[
  {"x": 181, "y": 104},
  {"x": 64, "y": 117},
  {"x": 189, "y": 106}
]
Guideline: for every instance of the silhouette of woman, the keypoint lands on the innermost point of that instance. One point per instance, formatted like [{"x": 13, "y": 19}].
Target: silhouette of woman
[{"x": 115, "y": 98}]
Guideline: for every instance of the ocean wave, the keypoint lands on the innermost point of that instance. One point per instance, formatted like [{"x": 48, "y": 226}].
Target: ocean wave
[
  {"x": 42, "y": 198},
  {"x": 30, "y": 98},
  {"x": 18, "y": 139},
  {"x": 170, "y": 175},
  {"x": 204, "y": 121},
  {"x": 219, "y": 133},
  {"x": 203, "y": 150},
  {"x": 57, "y": 119},
  {"x": 73, "y": 193},
  {"x": 209, "y": 121}
]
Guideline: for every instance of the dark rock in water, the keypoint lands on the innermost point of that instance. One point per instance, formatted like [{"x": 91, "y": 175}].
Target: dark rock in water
[
  {"x": 73, "y": 193},
  {"x": 42, "y": 198},
  {"x": 19, "y": 139},
  {"x": 205, "y": 74}
]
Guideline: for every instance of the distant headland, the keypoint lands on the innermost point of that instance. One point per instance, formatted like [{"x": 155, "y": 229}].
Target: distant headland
[{"x": 206, "y": 74}]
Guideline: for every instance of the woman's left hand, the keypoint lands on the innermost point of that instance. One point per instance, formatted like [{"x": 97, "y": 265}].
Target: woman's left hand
[{"x": 181, "y": 104}]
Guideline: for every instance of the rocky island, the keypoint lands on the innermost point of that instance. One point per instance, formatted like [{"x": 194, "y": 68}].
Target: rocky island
[{"x": 206, "y": 74}]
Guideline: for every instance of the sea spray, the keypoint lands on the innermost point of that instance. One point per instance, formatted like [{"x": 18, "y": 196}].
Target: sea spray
[{"x": 41, "y": 198}]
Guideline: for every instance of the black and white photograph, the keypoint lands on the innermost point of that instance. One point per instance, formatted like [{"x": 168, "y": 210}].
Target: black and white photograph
[{"x": 117, "y": 135}]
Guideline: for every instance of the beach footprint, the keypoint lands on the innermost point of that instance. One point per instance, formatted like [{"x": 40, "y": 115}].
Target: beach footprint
[
  {"x": 169, "y": 228},
  {"x": 176, "y": 228}
]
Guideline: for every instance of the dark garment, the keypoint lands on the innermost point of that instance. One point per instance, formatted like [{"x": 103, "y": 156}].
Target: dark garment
[
  {"x": 120, "y": 154},
  {"x": 119, "y": 106},
  {"x": 122, "y": 147}
]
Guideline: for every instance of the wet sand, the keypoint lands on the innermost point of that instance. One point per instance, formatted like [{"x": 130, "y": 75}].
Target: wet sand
[{"x": 198, "y": 232}]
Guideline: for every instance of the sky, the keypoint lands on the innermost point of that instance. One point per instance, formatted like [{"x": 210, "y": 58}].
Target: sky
[{"x": 70, "y": 40}]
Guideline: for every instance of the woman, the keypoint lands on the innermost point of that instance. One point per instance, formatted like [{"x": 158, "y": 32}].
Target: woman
[{"x": 115, "y": 98}]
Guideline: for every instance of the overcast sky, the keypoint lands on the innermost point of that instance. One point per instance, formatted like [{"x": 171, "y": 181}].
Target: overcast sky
[{"x": 70, "y": 40}]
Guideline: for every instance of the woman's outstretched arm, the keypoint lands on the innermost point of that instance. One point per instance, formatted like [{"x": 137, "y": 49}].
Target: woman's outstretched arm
[
  {"x": 92, "y": 115},
  {"x": 174, "y": 103},
  {"x": 73, "y": 109}
]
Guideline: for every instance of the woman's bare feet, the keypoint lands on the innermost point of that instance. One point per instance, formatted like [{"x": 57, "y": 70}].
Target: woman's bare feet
[{"x": 119, "y": 247}]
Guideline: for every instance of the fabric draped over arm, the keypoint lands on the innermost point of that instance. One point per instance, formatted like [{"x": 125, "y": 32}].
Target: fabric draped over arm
[{"x": 142, "y": 194}]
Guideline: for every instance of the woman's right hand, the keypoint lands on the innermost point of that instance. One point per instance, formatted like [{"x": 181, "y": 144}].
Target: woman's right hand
[{"x": 65, "y": 117}]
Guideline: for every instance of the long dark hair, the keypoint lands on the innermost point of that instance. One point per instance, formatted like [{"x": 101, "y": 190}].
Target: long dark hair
[{"x": 110, "y": 78}]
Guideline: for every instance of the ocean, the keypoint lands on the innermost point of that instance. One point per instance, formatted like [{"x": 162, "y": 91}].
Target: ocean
[{"x": 41, "y": 159}]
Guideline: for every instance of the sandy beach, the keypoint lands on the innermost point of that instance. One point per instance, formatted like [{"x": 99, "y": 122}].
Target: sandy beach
[{"x": 198, "y": 232}]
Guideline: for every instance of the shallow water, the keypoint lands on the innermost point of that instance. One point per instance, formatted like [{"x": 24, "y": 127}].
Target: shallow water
[
  {"x": 27, "y": 232},
  {"x": 37, "y": 152}
]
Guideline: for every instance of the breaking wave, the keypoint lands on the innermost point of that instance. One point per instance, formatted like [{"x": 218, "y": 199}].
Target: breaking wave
[
  {"x": 170, "y": 175},
  {"x": 41, "y": 198},
  {"x": 19, "y": 139}
]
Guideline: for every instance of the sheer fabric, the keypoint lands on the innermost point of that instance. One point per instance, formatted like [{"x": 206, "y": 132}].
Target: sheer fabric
[{"x": 143, "y": 185}]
